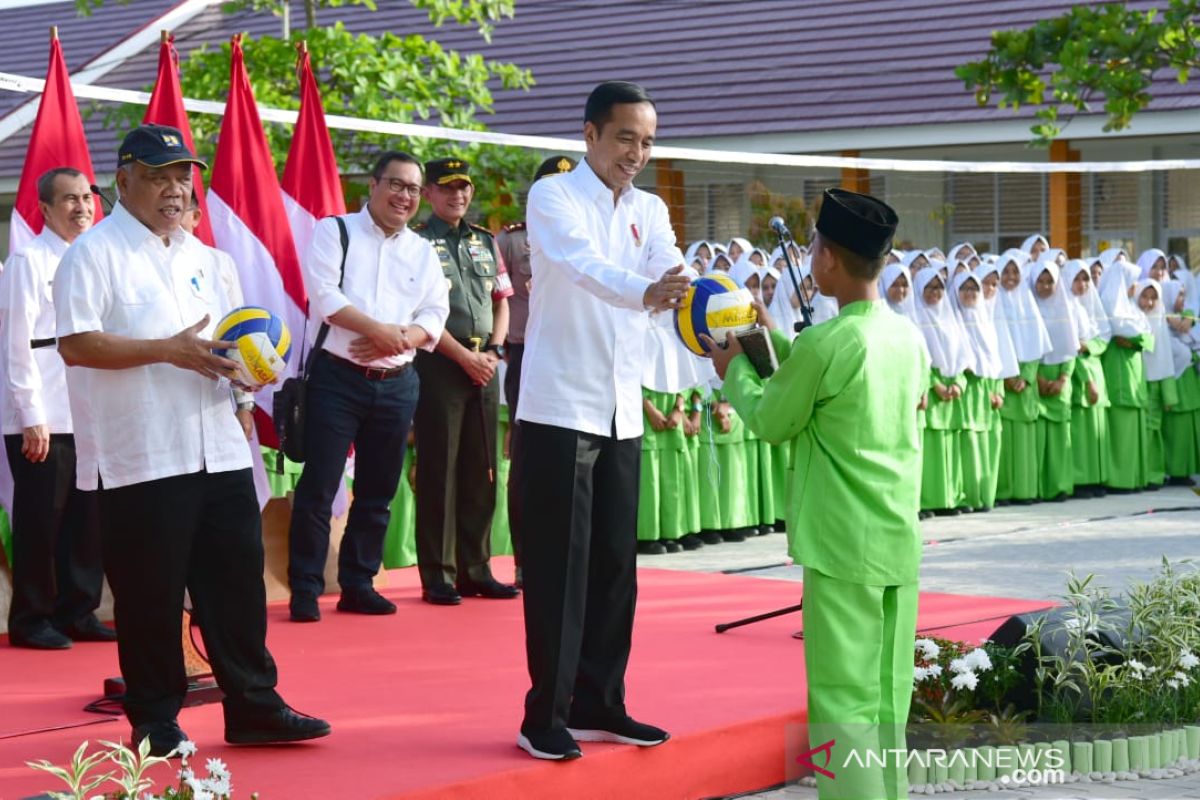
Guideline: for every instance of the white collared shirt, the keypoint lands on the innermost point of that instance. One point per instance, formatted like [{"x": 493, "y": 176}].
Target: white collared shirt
[
  {"x": 394, "y": 279},
  {"x": 35, "y": 380},
  {"x": 592, "y": 263},
  {"x": 156, "y": 421}
]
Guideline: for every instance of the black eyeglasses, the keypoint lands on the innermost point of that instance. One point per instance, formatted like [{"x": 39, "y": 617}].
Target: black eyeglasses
[{"x": 397, "y": 186}]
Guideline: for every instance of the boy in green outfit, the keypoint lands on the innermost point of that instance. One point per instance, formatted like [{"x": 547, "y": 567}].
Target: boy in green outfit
[{"x": 846, "y": 394}]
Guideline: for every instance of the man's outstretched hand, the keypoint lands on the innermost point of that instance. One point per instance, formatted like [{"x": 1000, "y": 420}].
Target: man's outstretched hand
[{"x": 666, "y": 293}]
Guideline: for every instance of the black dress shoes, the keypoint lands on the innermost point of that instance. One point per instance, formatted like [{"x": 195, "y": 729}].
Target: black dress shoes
[
  {"x": 651, "y": 547},
  {"x": 43, "y": 638},
  {"x": 551, "y": 745},
  {"x": 365, "y": 601},
  {"x": 304, "y": 608},
  {"x": 164, "y": 737},
  {"x": 491, "y": 589},
  {"x": 90, "y": 629},
  {"x": 441, "y": 594},
  {"x": 270, "y": 727}
]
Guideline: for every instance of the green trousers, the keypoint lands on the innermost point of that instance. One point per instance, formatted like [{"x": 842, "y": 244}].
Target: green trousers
[{"x": 858, "y": 656}]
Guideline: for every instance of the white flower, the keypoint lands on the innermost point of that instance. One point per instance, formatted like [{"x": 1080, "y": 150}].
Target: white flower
[
  {"x": 220, "y": 787},
  {"x": 1137, "y": 666},
  {"x": 965, "y": 680},
  {"x": 1174, "y": 684},
  {"x": 959, "y": 665},
  {"x": 920, "y": 674},
  {"x": 216, "y": 768},
  {"x": 979, "y": 660},
  {"x": 929, "y": 649},
  {"x": 1183, "y": 679},
  {"x": 186, "y": 748},
  {"x": 1188, "y": 660},
  {"x": 1151, "y": 670},
  {"x": 194, "y": 783},
  {"x": 186, "y": 774},
  {"x": 935, "y": 670},
  {"x": 203, "y": 794}
]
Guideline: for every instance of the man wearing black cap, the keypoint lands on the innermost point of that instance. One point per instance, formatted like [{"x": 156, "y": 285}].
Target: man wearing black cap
[
  {"x": 513, "y": 245},
  {"x": 847, "y": 394},
  {"x": 136, "y": 302},
  {"x": 456, "y": 413}
]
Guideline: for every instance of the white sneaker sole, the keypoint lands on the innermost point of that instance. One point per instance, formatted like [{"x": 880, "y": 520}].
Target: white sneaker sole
[
  {"x": 598, "y": 735},
  {"x": 526, "y": 745}
]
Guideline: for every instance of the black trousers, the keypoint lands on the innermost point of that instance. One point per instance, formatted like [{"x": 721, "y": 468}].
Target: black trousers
[
  {"x": 202, "y": 532},
  {"x": 512, "y": 393},
  {"x": 580, "y": 495},
  {"x": 345, "y": 408},
  {"x": 57, "y": 572},
  {"x": 456, "y": 439}
]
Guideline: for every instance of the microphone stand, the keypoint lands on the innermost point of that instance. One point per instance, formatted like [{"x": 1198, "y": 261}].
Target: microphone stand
[{"x": 785, "y": 238}]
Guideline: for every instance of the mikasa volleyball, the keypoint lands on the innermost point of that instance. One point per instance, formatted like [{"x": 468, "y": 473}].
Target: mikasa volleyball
[
  {"x": 714, "y": 305},
  {"x": 261, "y": 344}
]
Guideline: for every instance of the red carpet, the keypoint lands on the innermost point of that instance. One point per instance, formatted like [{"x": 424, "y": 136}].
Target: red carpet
[{"x": 426, "y": 704}]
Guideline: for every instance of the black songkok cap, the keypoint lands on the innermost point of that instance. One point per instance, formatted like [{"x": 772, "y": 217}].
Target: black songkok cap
[
  {"x": 156, "y": 146},
  {"x": 857, "y": 222}
]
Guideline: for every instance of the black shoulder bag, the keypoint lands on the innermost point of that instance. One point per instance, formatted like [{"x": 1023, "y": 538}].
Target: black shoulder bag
[{"x": 290, "y": 402}]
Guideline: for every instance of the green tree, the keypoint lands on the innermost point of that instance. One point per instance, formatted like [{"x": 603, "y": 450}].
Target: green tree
[
  {"x": 1092, "y": 53},
  {"x": 386, "y": 77}
]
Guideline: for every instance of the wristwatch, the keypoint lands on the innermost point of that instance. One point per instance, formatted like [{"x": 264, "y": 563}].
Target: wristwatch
[
  {"x": 498, "y": 349},
  {"x": 246, "y": 406}
]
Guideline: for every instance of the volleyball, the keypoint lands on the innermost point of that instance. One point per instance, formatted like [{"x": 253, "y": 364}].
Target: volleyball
[
  {"x": 261, "y": 344},
  {"x": 713, "y": 305}
]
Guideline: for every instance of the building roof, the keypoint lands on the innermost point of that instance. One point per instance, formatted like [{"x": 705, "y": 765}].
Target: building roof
[{"x": 717, "y": 68}]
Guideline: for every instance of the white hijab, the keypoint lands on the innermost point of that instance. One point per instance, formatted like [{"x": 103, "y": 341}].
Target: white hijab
[
  {"x": 1160, "y": 363},
  {"x": 1008, "y": 350},
  {"x": 1090, "y": 317},
  {"x": 712, "y": 265},
  {"x": 954, "y": 253},
  {"x": 740, "y": 242},
  {"x": 1030, "y": 338},
  {"x": 1147, "y": 260},
  {"x": 941, "y": 328},
  {"x": 906, "y": 307},
  {"x": 1124, "y": 317},
  {"x": 824, "y": 308},
  {"x": 743, "y": 269},
  {"x": 1056, "y": 313},
  {"x": 1027, "y": 245},
  {"x": 693, "y": 248},
  {"x": 1181, "y": 272},
  {"x": 980, "y": 325}
]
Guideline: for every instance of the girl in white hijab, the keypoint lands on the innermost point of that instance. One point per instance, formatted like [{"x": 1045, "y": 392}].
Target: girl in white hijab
[
  {"x": 745, "y": 270},
  {"x": 1153, "y": 264},
  {"x": 1054, "y": 382},
  {"x": 950, "y": 357},
  {"x": 1125, "y": 376},
  {"x": 1181, "y": 272},
  {"x": 1019, "y": 466},
  {"x": 1034, "y": 246},
  {"x": 979, "y": 437},
  {"x": 720, "y": 263},
  {"x": 737, "y": 247},
  {"x": 1089, "y": 414},
  {"x": 1181, "y": 424},
  {"x": 784, "y": 306},
  {"x": 701, "y": 250},
  {"x": 1160, "y": 371}
]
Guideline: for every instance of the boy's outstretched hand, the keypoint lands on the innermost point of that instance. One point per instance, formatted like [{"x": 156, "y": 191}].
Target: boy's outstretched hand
[{"x": 721, "y": 355}]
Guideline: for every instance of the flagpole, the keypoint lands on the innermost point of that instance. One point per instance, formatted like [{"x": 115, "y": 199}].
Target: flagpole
[{"x": 53, "y": 32}]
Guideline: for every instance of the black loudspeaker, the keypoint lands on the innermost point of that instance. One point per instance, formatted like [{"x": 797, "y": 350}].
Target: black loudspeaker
[{"x": 1112, "y": 632}]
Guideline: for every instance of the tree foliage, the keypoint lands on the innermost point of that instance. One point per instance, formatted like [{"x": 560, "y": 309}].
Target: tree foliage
[
  {"x": 374, "y": 76},
  {"x": 1092, "y": 53}
]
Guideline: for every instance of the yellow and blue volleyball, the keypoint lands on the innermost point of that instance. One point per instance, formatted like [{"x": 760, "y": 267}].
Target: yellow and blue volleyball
[
  {"x": 261, "y": 344},
  {"x": 714, "y": 305}
]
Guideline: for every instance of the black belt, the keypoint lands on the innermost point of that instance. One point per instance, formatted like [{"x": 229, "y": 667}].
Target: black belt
[{"x": 370, "y": 373}]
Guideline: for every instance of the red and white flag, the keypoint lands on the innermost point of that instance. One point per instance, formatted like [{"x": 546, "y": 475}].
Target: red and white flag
[
  {"x": 57, "y": 141},
  {"x": 312, "y": 185},
  {"x": 166, "y": 108},
  {"x": 249, "y": 221}
]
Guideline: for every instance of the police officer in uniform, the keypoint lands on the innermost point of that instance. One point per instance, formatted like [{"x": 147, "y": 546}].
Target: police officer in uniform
[
  {"x": 456, "y": 412},
  {"x": 513, "y": 244}
]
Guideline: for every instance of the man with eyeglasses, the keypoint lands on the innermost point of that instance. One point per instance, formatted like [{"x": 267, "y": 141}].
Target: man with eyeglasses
[
  {"x": 390, "y": 302},
  {"x": 456, "y": 415}
]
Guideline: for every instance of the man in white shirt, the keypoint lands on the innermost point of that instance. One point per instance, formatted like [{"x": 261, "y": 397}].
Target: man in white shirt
[
  {"x": 362, "y": 390},
  {"x": 57, "y": 574},
  {"x": 602, "y": 254},
  {"x": 136, "y": 299}
]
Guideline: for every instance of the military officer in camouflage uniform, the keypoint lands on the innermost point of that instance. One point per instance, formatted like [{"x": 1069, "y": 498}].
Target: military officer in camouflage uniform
[{"x": 456, "y": 413}]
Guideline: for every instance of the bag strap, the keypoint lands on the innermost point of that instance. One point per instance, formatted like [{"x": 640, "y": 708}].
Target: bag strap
[{"x": 344, "y": 235}]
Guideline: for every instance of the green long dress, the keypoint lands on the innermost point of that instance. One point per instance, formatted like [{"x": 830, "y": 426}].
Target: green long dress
[
  {"x": 400, "y": 540},
  {"x": 724, "y": 499},
  {"x": 690, "y": 465},
  {"x": 1181, "y": 431},
  {"x": 1129, "y": 397},
  {"x": 282, "y": 472},
  {"x": 781, "y": 463},
  {"x": 661, "y": 511},
  {"x": 1018, "y": 473},
  {"x": 1057, "y": 469},
  {"x": 760, "y": 481},
  {"x": 973, "y": 411},
  {"x": 1160, "y": 395},
  {"x": 1090, "y": 444},
  {"x": 501, "y": 534},
  {"x": 941, "y": 467}
]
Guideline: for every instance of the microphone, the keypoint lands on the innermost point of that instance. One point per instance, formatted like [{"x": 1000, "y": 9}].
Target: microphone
[
  {"x": 104, "y": 200},
  {"x": 777, "y": 224}
]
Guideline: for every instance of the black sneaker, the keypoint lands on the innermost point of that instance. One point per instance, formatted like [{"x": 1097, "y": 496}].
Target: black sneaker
[
  {"x": 622, "y": 730},
  {"x": 164, "y": 737},
  {"x": 44, "y": 637},
  {"x": 89, "y": 629},
  {"x": 365, "y": 601},
  {"x": 735, "y": 535},
  {"x": 691, "y": 542},
  {"x": 552, "y": 745},
  {"x": 672, "y": 546},
  {"x": 711, "y": 537},
  {"x": 651, "y": 548}
]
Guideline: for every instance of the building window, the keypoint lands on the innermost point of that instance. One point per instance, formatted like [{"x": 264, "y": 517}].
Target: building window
[
  {"x": 1181, "y": 214},
  {"x": 995, "y": 211}
]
